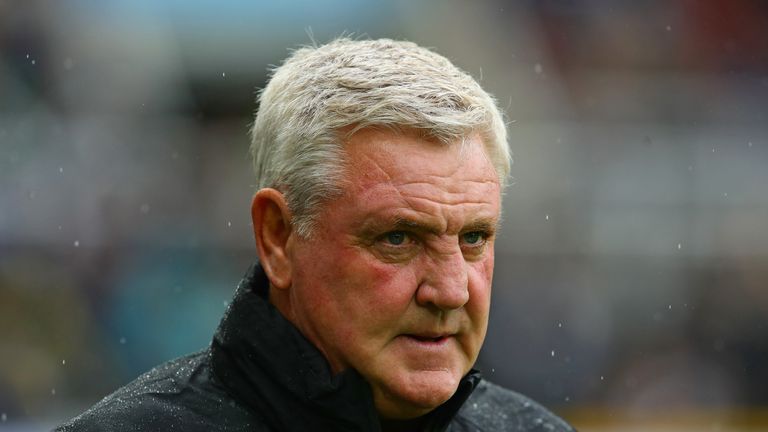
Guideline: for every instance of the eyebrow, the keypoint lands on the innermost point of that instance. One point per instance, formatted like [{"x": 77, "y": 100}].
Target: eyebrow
[{"x": 406, "y": 224}]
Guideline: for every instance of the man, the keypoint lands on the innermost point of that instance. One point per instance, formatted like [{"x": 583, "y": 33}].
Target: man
[{"x": 380, "y": 168}]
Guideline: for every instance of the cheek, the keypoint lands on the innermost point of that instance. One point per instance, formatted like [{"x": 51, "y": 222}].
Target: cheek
[
  {"x": 358, "y": 290},
  {"x": 480, "y": 280},
  {"x": 383, "y": 291}
]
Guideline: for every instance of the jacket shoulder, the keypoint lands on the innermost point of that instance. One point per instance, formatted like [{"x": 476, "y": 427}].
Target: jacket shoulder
[
  {"x": 494, "y": 408},
  {"x": 177, "y": 395}
]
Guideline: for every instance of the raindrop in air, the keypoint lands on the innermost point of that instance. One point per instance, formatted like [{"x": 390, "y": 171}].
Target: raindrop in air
[
  {"x": 53, "y": 392},
  {"x": 229, "y": 224},
  {"x": 61, "y": 169},
  {"x": 669, "y": 28},
  {"x": 64, "y": 361},
  {"x": 546, "y": 217},
  {"x": 679, "y": 246},
  {"x": 537, "y": 68},
  {"x": 223, "y": 74},
  {"x": 76, "y": 243},
  {"x": 3, "y": 417},
  {"x": 123, "y": 341},
  {"x": 553, "y": 353}
]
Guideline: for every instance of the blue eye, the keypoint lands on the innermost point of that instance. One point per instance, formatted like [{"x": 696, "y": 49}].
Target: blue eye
[
  {"x": 395, "y": 238},
  {"x": 473, "y": 237}
]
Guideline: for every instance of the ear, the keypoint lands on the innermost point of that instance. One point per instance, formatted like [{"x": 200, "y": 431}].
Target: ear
[{"x": 273, "y": 231}]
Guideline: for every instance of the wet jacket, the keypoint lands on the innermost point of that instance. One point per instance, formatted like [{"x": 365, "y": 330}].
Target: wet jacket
[{"x": 261, "y": 374}]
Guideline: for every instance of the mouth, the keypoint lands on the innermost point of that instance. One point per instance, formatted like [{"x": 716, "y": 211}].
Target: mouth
[{"x": 427, "y": 338}]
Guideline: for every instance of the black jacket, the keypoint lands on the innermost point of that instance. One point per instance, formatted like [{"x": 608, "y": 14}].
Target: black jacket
[{"x": 261, "y": 374}]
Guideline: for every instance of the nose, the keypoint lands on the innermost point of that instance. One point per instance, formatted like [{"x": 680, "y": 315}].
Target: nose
[{"x": 445, "y": 282}]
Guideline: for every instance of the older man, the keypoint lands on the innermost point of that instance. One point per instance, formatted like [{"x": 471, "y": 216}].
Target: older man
[{"x": 380, "y": 168}]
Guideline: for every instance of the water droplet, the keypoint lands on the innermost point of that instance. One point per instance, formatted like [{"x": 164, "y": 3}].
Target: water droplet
[
  {"x": 68, "y": 63},
  {"x": 669, "y": 28},
  {"x": 553, "y": 353},
  {"x": 725, "y": 194},
  {"x": 567, "y": 398},
  {"x": 63, "y": 361},
  {"x": 560, "y": 325},
  {"x": 76, "y": 243},
  {"x": 679, "y": 246},
  {"x": 144, "y": 209},
  {"x": 546, "y": 217},
  {"x": 749, "y": 143},
  {"x": 223, "y": 74},
  {"x": 713, "y": 149},
  {"x": 602, "y": 378},
  {"x": 53, "y": 392},
  {"x": 123, "y": 341},
  {"x": 3, "y": 417},
  {"x": 690, "y": 167},
  {"x": 493, "y": 370},
  {"x": 669, "y": 307},
  {"x": 537, "y": 68},
  {"x": 59, "y": 227},
  {"x": 27, "y": 55},
  {"x": 229, "y": 224},
  {"x": 61, "y": 169}
]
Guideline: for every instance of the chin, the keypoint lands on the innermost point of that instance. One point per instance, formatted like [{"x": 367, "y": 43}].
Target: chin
[{"x": 417, "y": 395}]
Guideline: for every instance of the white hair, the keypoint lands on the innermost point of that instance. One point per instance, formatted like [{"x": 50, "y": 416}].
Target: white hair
[{"x": 321, "y": 95}]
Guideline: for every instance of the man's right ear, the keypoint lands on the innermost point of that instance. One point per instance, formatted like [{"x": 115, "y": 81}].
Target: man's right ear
[{"x": 274, "y": 235}]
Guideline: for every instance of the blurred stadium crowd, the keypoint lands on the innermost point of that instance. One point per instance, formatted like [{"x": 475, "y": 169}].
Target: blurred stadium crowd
[{"x": 632, "y": 268}]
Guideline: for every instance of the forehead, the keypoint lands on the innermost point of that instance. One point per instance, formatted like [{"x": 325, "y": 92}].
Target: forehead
[
  {"x": 404, "y": 176},
  {"x": 374, "y": 155}
]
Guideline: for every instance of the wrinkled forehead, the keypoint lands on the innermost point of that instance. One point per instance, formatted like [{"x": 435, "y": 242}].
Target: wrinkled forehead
[
  {"x": 413, "y": 153},
  {"x": 375, "y": 159}
]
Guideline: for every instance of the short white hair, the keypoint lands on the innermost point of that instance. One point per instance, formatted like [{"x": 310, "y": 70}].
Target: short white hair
[{"x": 321, "y": 95}]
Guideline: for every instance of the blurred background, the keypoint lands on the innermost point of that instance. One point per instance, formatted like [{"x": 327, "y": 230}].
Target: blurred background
[{"x": 631, "y": 285}]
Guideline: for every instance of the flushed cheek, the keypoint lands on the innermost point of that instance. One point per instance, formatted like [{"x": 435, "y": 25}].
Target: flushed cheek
[{"x": 374, "y": 296}]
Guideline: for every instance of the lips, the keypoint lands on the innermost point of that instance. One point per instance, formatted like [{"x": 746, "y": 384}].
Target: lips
[{"x": 428, "y": 337}]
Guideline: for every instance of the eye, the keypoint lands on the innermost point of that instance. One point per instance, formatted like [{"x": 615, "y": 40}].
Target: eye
[
  {"x": 473, "y": 238},
  {"x": 396, "y": 246},
  {"x": 395, "y": 238}
]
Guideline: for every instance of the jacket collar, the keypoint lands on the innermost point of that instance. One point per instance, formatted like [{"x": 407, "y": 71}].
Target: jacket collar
[{"x": 263, "y": 360}]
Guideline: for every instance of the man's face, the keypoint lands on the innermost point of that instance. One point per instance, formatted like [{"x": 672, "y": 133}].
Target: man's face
[{"x": 396, "y": 281}]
